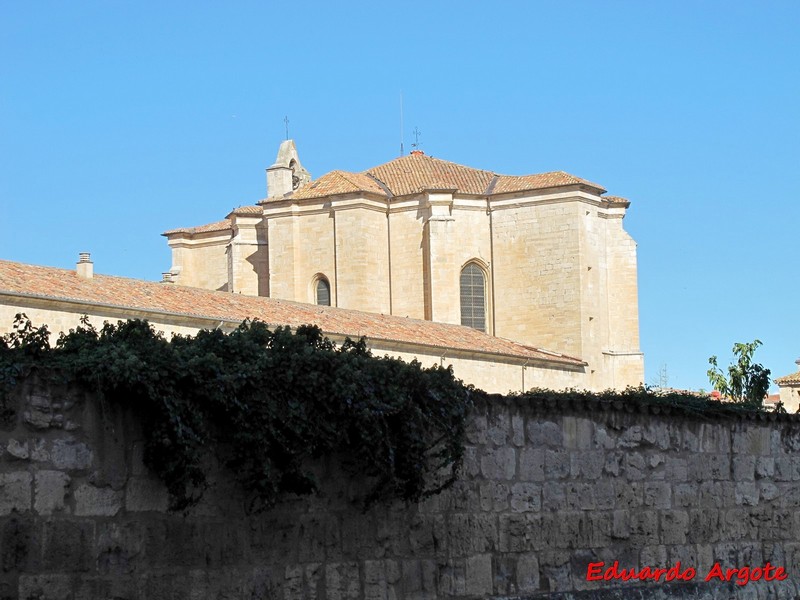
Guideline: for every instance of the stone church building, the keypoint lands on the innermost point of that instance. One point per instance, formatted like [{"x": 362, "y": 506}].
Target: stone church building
[{"x": 540, "y": 260}]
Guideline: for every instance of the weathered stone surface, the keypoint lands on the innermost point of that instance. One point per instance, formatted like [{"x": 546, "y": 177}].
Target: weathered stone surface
[
  {"x": 540, "y": 496},
  {"x": 50, "y": 491},
  {"x": 479, "y": 574},
  {"x": 18, "y": 450},
  {"x": 93, "y": 501},
  {"x": 71, "y": 455},
  {"x": 15, "y": 492},
  {"x": 499, "y": 463}
]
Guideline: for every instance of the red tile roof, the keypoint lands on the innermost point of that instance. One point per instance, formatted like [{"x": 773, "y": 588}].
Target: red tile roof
[
  {"x": 338, "y": 182},
  {"x": 133, "y": 294},
  {"x": 415, "y": 172},
  {"x": 788, "y": 379},
  {"x": 216, "y": 226},
  {"x": 514, "y": 183}
]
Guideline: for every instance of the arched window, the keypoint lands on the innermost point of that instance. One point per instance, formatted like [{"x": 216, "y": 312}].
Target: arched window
[
  {"x": 323, "y": 292},
  {"x": 473, "y": 297}
]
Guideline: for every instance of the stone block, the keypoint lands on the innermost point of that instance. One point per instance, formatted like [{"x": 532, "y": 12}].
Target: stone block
[
  {"x": 45, "y": 587},
  {"x": 68, "y": 546},
  {"x": 674, "y": 527},
  {"x": 545, "y": 433},
  {"x": 521, "y": 532},
  {"x": 554, "y": 496},
  {"x": 146, "y": 494},
  {"x": 119, "y": 547},
  {"x": 517, "y": 430},
  {"x": 342, "y": 581},
  {"x": 603, "y": 491},
  {"x": 531, "y": 464},
  {"x": 526, "y": 497},
  {"x": 746, "y": 493},
  {"x": 499, "y": 463},
  {"x": 499, "y": 428},
  {"x": 580, "y": 496},
  {"x": 50, "y": 491},
  {"x": 15, "y": 492},
  {"x": 675, "y": 469},
  {"x": 19, "y": 545},
  {"x": 765, "y": 467},
  {"x": 744, "y": 467},
  {"x": 630, "y": 438},
  {"x": 685, "y": 495},
  {"x": 628, "y": 494},
  {"x": 479, "y": 574},
  {"x": 18, "y": 449},
  {"x": 71, "y": 455},
  {"x": 493, "y": 496},
  {"x": 40, "y": 451},
  {"x": 635, "y": 466},
  {"x": 477, "y": 430},
  {"x": 587, "y": 464},
  {"x": 753, "y": 440},
  {"x": 704, "y": 526},
  {"x": 556, "y": 464},
  {"x": 657, "y": 494},
  {"x": 375, "y": 584},
  {"x": 93, "y": 501},
  {"x": 768, "y": 491}
]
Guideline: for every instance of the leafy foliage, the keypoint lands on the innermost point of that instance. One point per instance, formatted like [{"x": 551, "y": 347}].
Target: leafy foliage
[
  {"x": 265, "y": 403},
  {"x": 746, "y": 382}
]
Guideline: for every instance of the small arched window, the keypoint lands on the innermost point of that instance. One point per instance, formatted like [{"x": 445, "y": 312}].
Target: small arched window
[
  {"x": 323, "y": 292},
  {"x": 473, "y": 297}
]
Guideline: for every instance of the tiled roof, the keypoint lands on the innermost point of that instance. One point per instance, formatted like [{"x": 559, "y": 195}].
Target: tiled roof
[
  {"x": 415, "y": 172},
  {"x": 217, "y": 226},
  {"x": 338, "y": 182},
  {"x": 788, "y": 379},
  {"x": 616, "y": 200},
  {"x": 134, "y": 294},
  {"x": 514, "y": 183},
  {"x": 249, "y": 209}
]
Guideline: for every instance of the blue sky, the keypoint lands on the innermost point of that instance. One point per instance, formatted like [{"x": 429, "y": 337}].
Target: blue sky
[{"x": 119, "y": 120}]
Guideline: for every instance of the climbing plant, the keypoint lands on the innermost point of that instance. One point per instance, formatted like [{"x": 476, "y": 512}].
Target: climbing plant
[{"x": 266, "y": 403}]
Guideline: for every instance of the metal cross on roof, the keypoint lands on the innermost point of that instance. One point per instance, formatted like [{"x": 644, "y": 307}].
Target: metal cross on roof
[{"x": 417, "y": 133}]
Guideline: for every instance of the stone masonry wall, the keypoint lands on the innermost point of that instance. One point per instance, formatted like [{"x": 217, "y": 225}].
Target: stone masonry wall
[{"x": 546, "y": 490}]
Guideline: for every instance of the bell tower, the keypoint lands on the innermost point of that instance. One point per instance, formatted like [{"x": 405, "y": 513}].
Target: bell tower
[{"x": 286, "y": 174}]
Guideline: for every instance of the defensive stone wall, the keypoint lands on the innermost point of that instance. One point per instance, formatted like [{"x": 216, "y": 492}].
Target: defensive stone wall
[{"x": 547, "y": 493}]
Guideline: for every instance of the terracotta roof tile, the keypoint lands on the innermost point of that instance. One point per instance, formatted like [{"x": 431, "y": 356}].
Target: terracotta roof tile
[
  {"x": 416, "y": 172},
  {"x": 216, "y": 226},
  {"x": 788, "y": 379},
  {"x": 520, "y": 183},
  {"x": 135, "y": 294},
  {"x": 616, "y": 200},
  {"x": 249, "y": 209},
  {"x": 338, "y": 182}
]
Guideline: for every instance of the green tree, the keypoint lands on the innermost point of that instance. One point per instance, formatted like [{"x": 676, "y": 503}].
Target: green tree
[{"x": 746, "y": 382}]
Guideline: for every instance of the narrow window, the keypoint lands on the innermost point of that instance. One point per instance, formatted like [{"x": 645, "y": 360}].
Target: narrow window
[
  {"x": 323, "y": 293},
  {"x": 473, "y": 297}
]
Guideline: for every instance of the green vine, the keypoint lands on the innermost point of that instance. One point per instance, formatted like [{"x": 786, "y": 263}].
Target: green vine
[{"x": 265, "y": 403}]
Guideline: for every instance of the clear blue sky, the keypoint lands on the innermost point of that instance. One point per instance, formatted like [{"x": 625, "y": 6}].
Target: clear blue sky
[{"x": 119, "y": 120}]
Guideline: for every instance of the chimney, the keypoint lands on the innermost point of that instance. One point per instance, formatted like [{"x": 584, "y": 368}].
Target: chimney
[
  {"x": 85, "y": 266},
  {"x": 166, "y": 277}
]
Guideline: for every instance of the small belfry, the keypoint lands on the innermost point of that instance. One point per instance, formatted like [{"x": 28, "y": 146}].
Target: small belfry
[
  {"x": 286, "y": 174},
  {"x": 542, "y": 260}
]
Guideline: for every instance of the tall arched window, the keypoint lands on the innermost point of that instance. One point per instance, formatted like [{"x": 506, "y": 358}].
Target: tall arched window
[
  {"x": 473, "y": 297},
  {"x": 323, "y": 292}
]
